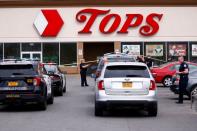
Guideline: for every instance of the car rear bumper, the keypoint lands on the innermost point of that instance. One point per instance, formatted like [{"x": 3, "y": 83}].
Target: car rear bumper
[
  {"x": 131, "y": 104},
  {"x": 23, "y": 98},
  {"x": 101, "y": 96}
]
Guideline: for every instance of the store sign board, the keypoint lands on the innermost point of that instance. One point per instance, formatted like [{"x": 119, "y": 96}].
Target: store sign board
[
  {"x": 133, "y": 20},
  {"x": 48, "y": 23},
  {"x": 16, "y": 24}
]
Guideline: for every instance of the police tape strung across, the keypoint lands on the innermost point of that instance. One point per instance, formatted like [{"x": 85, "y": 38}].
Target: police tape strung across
[{"x": 132, "y": 21}]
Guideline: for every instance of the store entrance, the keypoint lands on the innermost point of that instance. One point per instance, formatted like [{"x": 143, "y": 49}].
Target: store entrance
[
  {"x": 92, "y": 50},
  {"x": 31, "y": 55}
]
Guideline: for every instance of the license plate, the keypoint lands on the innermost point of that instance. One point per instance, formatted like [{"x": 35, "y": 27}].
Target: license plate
[
  {"x": 12, "y": 84},
  {"x": 127, "y": 84},
  {"x": 29, "y": 80},
  {"x": 12, "y": 96},
  {"x": 13, "y": 88}
]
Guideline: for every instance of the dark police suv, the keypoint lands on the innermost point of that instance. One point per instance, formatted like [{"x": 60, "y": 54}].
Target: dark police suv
[
  {"x": 22, "y": 82},
  {"x": 57, "y": 76}
]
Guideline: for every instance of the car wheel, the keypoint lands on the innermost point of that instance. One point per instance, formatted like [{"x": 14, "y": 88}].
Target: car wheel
[
  {"x": 98, "y": 109},
  {"x": 167, "y": 82},
  {"x": 60, "y": 92},
  {"x": 152, "y": 109},
  {"x": 193, "y": 91},
  {"x": 64, "y": 90},
  {"x": 189, "y": 95},
  {"x": 51, "y": 99},
  {"x": 43, "y": 105}
]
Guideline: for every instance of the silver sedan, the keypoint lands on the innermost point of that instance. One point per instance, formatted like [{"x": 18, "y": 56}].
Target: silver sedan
[{"x": 127, "y": 84}]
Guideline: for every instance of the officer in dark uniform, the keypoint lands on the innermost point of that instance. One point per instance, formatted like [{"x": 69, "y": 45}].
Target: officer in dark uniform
[
  {"x": 183, "y": 72},
  {"x": 83, "y": 70},
  {"x": 149, "y": 62},
  {"x": 140, "y": 59}
]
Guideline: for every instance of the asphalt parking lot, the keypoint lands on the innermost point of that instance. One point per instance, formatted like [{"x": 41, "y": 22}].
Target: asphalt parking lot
[{"x": 75, "y": 112}]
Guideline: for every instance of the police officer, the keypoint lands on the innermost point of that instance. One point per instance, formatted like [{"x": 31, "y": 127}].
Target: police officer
[
  {"x": 149, "y": 61},
  {"x": 83, "y": 70},
  {"x": 140, "y": 59},
  {"x": 183, "y": 72}
]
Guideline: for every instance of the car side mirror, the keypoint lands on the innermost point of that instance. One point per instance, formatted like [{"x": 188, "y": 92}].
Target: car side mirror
[{"x": 154, "y": 75}]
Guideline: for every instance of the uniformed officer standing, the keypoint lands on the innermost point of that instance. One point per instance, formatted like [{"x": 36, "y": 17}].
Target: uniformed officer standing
[
  {"x": 83, "y": 70},
  {"x": 183, "y": 72},
  {"x": 149, "y": 61}
]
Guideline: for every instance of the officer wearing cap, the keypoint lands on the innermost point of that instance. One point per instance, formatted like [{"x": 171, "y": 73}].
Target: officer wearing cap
[{"x": 183, "y": 72}]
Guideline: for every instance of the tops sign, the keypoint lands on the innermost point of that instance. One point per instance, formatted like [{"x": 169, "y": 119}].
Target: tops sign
[
  {"x": 110, "y": 22},
  {"x": 132, "y": 21}
]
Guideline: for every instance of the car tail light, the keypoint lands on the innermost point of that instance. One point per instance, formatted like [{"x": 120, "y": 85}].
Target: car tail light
[
  {"x": 152, "y": 85},
  {"x": 101, "y": 85},
  {"x": 36, "y": 81}
]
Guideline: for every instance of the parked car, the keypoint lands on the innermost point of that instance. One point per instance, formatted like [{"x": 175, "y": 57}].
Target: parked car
[
  {"x": 48, "y": 80},
  {"x": 164, "y": 73},
  {"x": 192, "y": 84},
  {"x": 127, "y": 84},
  {"x": 22, "y": 83},
  {"x": 58, "y": 78},
  {"x": 113, "y": 57},
  {"x": 50, "y": 89},
  {"x": 37, "y": 67}
]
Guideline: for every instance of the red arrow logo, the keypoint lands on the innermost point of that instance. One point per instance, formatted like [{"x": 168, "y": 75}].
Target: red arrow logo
[{"x": 48, "y": 23}]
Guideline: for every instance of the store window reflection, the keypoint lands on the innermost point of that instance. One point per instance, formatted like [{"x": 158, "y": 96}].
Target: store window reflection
[
  {"x": 133, "y": 48},
  {"x": 68, "y": 54},
  {"x": 31, "y": 46},
  {"x": 176, "y": 49},
  {"x": 11, "y": 50},
  {"x": 156, "y": 50},
  {"x": 193, "y": 52},
  {"x": 51, "y": 52}
]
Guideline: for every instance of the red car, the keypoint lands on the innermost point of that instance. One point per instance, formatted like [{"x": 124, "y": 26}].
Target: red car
[{"x": 163, "y": 74}]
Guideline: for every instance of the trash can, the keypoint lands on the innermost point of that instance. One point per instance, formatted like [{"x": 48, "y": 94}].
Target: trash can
[{"x": 194, "y": 100}]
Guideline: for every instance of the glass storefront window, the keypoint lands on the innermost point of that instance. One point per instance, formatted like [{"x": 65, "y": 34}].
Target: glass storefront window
[
  {"x": 11, "y": 50},
  {"x": 31, "y": 46},
  {"x": 134, "y": 48},
  {"x": 68, "y": 53},
  {"x": 51, "y": 52},
  {"x": 193, "y": 51},
  {"x": 176, "y": 49},
  {"x": 155, "y": 50}
]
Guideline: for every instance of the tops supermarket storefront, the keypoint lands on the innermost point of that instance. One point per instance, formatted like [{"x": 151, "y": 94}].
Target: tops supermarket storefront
[{"x": 67, "y": 31}]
